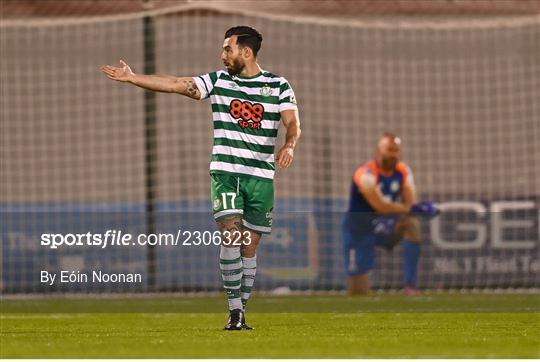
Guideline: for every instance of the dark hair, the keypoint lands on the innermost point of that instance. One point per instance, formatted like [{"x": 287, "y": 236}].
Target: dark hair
[{"x": 246, "y": 36}]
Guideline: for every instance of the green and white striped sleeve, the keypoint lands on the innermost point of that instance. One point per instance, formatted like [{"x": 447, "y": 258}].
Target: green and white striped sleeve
[
  {"x": 287, "y": 99},
  {"x": 205, "y": 83}
]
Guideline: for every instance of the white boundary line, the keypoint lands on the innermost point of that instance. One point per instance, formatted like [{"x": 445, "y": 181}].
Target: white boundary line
[{"x": 149, "y": 295}]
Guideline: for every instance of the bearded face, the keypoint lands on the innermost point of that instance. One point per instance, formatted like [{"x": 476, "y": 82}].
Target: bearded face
[
  {"x": 231, "y": 56},
  {"x": 235, "y": 65},
  {"x": 389, "y": 162},
  {"x": 388, "y": 152}
]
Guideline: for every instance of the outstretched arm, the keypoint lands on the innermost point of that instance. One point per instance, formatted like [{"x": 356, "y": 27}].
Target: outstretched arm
[
  {"x": 160, "y": 83},
  {"x": 291, "y": 121}
]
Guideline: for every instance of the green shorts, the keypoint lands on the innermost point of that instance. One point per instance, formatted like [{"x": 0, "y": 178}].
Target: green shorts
[{"x": 250, "y": 198}]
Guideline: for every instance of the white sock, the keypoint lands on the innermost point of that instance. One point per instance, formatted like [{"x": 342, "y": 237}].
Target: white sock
[
  {"x": 248, "y": 278},
  {"x": 230, "y": 263}
]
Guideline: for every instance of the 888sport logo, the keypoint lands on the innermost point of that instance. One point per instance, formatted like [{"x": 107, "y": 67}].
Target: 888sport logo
[{"x": 248, "y": 114}]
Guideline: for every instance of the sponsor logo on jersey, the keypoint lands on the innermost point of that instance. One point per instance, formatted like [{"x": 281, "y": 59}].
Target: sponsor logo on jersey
[{"x": 248, "y": 114}]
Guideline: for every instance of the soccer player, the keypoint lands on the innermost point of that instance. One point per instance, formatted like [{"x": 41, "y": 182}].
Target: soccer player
[
  {"x": 247, "y": 105},
  {"x": 381, "y": 213}
]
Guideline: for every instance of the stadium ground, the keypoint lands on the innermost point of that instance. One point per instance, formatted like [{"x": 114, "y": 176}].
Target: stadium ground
[{"x": 385, "y": 325}]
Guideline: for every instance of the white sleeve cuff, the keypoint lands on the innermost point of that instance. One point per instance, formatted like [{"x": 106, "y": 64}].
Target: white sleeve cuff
[
  {"x": 202, "y": 87},
  {"x": 287, "y": 106}
]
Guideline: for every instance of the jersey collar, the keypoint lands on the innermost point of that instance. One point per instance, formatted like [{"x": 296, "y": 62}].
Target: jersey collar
[{"x": 252, "y": 77}]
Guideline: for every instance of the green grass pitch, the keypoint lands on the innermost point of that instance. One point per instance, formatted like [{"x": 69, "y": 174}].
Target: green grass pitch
[{"x": 381, "y": 325}]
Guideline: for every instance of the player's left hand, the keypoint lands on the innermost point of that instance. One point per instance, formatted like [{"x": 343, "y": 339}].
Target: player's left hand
[
  {"x": 425, "y": 208},
  {"x": 285, "y": 156}
]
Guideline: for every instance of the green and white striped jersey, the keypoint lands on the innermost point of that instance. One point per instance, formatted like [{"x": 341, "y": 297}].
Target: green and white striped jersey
[{"x": 246, "y": 114}]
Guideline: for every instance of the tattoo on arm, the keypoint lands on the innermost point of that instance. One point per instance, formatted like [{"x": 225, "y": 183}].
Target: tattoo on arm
[{"x": 191, "y": 89}]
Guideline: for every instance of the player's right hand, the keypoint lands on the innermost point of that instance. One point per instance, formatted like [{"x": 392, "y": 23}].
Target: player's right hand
[{"x": 121, "y": 74}]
